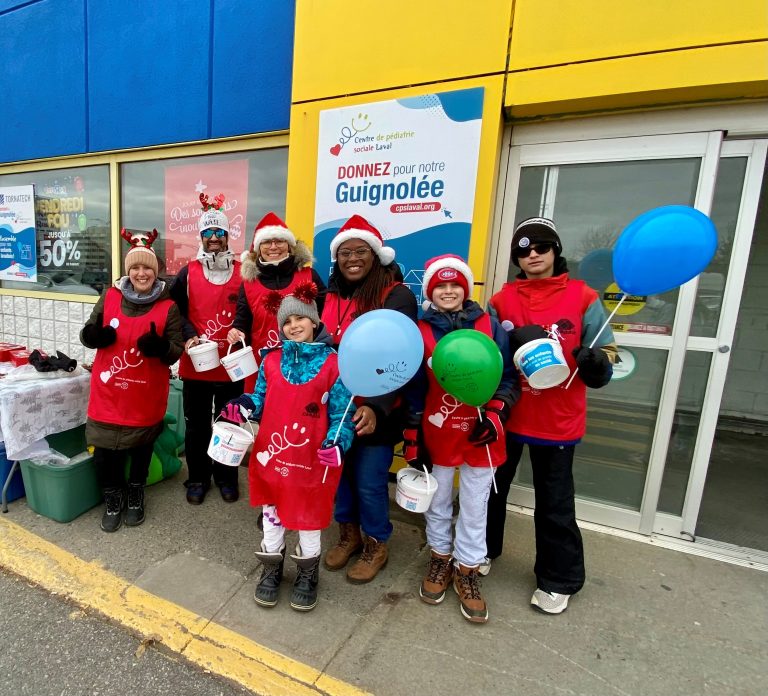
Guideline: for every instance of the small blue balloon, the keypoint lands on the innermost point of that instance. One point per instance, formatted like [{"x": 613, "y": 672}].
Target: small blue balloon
[
  {"x": 379, "y": 352},
  {"x": 662, "y": 249}
]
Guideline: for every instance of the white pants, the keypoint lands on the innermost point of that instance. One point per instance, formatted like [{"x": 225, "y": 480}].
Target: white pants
[
  {"x": 468, "y": 546},
  {"x": 274, "y": 535}
]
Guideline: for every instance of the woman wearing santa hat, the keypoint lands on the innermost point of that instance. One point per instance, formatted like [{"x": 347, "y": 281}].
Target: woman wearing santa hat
[
  {"x": 365, "y": 278},
  {"x": 276, "y": 260}
]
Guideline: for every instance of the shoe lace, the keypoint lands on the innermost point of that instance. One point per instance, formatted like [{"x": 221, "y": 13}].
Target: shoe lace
[
  {"x": 369, "y": 548},
  {"x": 438, "y": 570},
  {"x": 114, "y": 504},
  {"x": 470, "y": 584},
  {"x": 134, "y": 496}
]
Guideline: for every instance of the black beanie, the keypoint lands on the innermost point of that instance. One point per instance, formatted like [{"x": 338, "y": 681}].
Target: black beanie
[{"x": 535, "y": 230}]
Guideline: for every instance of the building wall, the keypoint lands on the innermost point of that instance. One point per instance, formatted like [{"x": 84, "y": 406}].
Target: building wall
[{"x": 94, "y": 75}]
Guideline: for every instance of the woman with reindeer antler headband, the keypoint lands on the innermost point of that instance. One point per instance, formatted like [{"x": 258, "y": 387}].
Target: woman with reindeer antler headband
[{"x": 136, "y": 330}]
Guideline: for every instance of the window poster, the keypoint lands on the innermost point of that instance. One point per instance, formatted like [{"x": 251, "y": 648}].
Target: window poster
[
  {"x": 183, "y": 186},
  {"x": 18, "y": 252},
  {"x": 409, "y": 167}
]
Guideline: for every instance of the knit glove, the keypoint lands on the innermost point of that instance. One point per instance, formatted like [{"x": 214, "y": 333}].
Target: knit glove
[
  {"x": 524, "y": 334},
  {"x": 490, "y": 425},
  {"x": 330, "y": 455},
  {"x": 413, "y": 450},
  {"x": 152, "y": 344},
  {"x": 595, "y": 368},
  {"x": 237, "y": 410},
  {"x": 98, "y": 336}
]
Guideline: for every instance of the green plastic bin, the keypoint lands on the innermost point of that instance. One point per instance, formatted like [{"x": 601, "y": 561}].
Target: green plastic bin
[{"x": 62, "y": 493}]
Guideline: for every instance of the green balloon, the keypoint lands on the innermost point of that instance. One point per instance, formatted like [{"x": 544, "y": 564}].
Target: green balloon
[
  {"x": 82, "y": 222},
  {"x": 468, "y": 365}
]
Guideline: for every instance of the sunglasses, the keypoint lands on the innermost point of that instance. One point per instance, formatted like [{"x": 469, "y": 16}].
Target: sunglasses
[
  {"x": 538, "y": 248},
  {"x": 211, "y": 231}
]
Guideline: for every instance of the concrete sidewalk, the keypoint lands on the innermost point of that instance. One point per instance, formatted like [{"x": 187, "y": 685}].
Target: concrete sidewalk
[{"x": 649, "y": 620}]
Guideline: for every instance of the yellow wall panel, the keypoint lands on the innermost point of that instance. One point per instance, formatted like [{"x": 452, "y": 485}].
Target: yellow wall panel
[
  {"x": 553, "y": 32},
  {"x": 344, "y": 47},
  {"x": 657, "y": 79},
  {"x": 302, "y": 161}
]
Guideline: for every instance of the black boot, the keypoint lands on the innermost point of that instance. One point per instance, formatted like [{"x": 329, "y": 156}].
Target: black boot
[
  {"x": 113, "y": 509},
  {"x": 304, "y": 595},
  {"x": 271, "y": 577},
  {"x": 134, "y": 514}
]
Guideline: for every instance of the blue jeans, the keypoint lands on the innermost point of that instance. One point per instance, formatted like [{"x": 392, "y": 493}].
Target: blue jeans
[{"x": 363, "y": 495}]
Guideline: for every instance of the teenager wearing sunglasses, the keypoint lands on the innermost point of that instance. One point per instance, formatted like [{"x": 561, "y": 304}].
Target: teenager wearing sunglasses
[
  {"x": 206, "y": 292},
  {"x": 541, "y": 302}
]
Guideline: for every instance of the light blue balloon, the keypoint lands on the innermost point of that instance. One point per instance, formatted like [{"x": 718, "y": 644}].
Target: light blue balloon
[
  {"x": 662, "y": 249},
  {"x": 379, "y": 352}
]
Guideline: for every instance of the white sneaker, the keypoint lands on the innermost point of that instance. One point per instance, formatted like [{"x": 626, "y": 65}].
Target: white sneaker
[
  {"x": 550, "y": 602},
  {"x": 485, "y": 567}
]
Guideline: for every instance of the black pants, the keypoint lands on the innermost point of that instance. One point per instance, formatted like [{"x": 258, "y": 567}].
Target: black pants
[
  {"x": 202, "y": 403},
  {"x": 559, "y": 549},
  {"x": 110, "y": 465}
]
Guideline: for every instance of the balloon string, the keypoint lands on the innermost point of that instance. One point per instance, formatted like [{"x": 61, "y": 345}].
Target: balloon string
[
  {"x": 338, "y": 430},
  {"x": 490, "y": 461},
  {"x": 597, "y": 335}
]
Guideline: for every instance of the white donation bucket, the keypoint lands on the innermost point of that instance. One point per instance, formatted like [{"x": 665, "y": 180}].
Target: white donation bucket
[
  {"x": 240, "y": 364},
  {"x": 229, "y": 443},
  {"x": 415, "y": 489},
  {"x": 204, "y": 356},
  {"x": 542, "y": 363}
]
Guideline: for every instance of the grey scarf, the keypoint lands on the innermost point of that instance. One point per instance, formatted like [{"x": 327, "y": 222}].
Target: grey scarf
[{"x": 125, "y": 286}]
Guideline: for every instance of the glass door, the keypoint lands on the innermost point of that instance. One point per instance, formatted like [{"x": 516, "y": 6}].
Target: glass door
[{"x": 592, "y": 190}]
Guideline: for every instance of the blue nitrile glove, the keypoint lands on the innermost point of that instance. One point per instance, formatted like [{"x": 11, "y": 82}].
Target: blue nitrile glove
[
  {"x": 233, "y": 410},
  {"x": 489, "y": 427},
  {"x": 595, "y": 368},
  {"x": 330, "y": 455},
  {"x": 152, "y": 344}
]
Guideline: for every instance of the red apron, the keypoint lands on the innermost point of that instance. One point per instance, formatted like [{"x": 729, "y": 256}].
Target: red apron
[
  {"x": 284, "y": 470},
  {"x": 339, "y": 313},
  {"x": 558, "y": 413},
  {"x": 128, "y": 388},
  {"x": 211, "y": 312},
  {"x": 265, "y": 333},
  {"x": 447, "y": 422}
]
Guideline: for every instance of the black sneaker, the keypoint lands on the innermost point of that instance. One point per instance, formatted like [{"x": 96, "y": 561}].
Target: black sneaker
[
  {"x": 196, "y": 493},
  {"x": 134, "y": 513},
  {"x": 112, "y": 518},
  {"x": 229, "y": 494}
]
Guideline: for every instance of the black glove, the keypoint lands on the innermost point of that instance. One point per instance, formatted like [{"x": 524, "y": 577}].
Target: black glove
[
  {"x": 42, "y": 363},
  {"x": 490, "y": 426},
  {"x": 524, "y": 334},
  {"x": 413, "y": 450},
  {"x": 595, "y": 368},
  {"x": 98, "y": 336},
  {"x": 63, "y": 362},
  {"x": 231, "y": 411},
  {"x": 152, "y": 344}
]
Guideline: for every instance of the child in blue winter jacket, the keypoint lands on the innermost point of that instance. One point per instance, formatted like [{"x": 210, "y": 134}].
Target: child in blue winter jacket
[
  {"x": 295, "y": 464},
  {"x": 455, "y": 437}
]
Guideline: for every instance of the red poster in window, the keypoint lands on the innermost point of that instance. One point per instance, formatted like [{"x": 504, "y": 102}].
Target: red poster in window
[{"x": 183, "y": 186}]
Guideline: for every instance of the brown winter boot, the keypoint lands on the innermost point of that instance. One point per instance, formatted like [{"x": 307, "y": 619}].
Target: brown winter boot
[
  {"x": 466, "y": 582},
  {"x": 350, "y": 542},
  {"x": 438, "y": 578},
  {"x": 371, "y": 561}
]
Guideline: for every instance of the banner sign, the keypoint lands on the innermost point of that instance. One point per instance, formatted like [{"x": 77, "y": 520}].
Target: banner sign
[
  {"x": 18, "y": 253},
  {"x": 183, "y": 186},
  {"x": 409, "y": 167}
]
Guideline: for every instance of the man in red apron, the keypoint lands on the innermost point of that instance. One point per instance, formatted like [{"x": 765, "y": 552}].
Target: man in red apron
[{"x": 206, "y": 293}]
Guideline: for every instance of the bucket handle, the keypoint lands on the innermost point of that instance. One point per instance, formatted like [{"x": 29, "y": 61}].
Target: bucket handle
[
  {"x": 247, "y": 420},
  {"x": 426, "y": 473},
  {"x": 229, "y": 349}
]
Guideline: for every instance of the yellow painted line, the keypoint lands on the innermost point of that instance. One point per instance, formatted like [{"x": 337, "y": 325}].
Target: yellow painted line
[{"x": 209, "y": 645}]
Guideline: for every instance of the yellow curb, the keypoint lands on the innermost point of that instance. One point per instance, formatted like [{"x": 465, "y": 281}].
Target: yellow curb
[{"x": 209, "y": 645}]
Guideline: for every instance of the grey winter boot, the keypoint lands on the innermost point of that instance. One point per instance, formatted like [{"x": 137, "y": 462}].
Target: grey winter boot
[
  {"x": 271, "y": 576},
  {"x": 113, "y": 509},
  {"x": 134, "y": 513},
  {"x": 304, "y": 595}
]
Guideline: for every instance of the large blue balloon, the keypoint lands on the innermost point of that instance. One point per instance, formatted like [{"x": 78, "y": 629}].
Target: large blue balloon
[
  {"x": 596, "y": 269},
  {"x": 379, "y": 352},
  {"x": 662, "y": 249}
]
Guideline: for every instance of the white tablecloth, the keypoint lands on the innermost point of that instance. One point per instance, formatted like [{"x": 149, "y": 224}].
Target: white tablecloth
[{"x": 30, "y": 410}]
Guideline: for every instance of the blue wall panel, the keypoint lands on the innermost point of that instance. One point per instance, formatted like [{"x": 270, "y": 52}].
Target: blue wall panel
[
  {"x": 42, "y": 79},
  {"x": 88, "y": 75},
  {"x": 252, "y": 64}
]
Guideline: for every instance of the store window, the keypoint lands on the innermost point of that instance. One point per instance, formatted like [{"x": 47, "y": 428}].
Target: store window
[
  {"x": 72, "y": 230},
  {"x": 164, "y": 195}
]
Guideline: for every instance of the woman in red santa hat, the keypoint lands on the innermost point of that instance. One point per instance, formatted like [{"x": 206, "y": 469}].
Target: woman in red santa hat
[
  {"x": 276, "y": 260},
  {"x": 365, "y": 278}
]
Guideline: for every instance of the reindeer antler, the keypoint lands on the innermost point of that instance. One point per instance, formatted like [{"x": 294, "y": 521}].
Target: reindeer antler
[
  {"x": 151, "y": 237},
  {"x": 204, "y": 201},
  {"x": 126, "y": 235}
]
